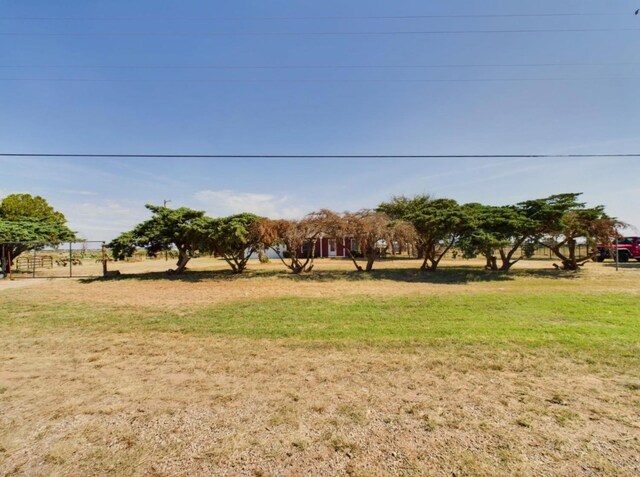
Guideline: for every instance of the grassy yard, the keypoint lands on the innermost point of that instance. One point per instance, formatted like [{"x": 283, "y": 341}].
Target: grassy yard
[
  {"x": 335, "y": 373},
  {"x": 604, "y": 325}
]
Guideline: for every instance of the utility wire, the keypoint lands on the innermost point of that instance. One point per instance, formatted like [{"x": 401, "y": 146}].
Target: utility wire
[
  {"x": 318, "y": 33},
  {"x": 319, "y": 81},
  {"x": 314, "y": 67},
  {"x": 337, "y": 17},
  {"x": 324, "y": 156}
]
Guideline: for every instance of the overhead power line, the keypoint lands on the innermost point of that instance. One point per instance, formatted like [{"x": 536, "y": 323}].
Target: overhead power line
[
  {"x": 334, "y": 17},
  {"x": 312, "y": 81},
  {"x": 314, "y": 67},
  {"x": 324, "y": 156},
  {"x": 316, "y": 33}
]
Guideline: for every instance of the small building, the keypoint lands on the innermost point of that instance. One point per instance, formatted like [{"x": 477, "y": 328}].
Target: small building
[{"x": 326, "y": 247}]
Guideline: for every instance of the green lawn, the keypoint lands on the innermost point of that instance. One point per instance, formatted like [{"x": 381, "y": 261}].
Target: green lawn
[{"x": 607, "y": 325}]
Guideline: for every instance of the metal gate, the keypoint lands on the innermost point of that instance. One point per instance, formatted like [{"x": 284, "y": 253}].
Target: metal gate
[{"x": 67, "y": 260}]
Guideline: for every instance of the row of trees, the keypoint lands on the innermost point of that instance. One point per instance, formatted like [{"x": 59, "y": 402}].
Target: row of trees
[
  {"x": 430, "y": 226},
  {"x": 424, "y": 224},
  {"x": 505, "y": 233},
  {"x": 237, "y": 237}
]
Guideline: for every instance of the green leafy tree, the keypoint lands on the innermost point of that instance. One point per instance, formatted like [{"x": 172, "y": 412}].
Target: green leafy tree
[
  {"x": 439, "y": 224},
  {"x": 16, "y": 207},
  {"x": 498, "y": 229},
  {"x": 27, "y": 222},
  {"x": 166, "y": 228},
  {"x": 564, "y": 221},
  {"x": 234, "y": 238},
  {"x": 400, "y": 207},
  {"x": 123, "y": 246}
]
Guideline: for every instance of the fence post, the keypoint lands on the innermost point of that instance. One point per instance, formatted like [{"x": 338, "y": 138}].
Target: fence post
[
  {"x": 104, "y": 260},
  {"x": 70, "y": 260},
  {"x": 33, "y": 274}
]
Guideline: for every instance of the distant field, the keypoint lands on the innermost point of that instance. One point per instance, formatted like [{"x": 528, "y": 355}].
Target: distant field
[{"x": 461, "y": 372}]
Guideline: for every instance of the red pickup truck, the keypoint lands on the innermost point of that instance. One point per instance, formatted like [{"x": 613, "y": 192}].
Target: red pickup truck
[{"x": 628, "y": 248}]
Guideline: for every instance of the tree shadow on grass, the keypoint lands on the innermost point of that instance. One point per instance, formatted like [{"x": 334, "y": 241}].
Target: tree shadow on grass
[{"x": 447, "y": 275}]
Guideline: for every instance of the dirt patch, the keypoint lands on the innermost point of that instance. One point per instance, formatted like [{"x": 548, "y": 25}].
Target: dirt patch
[{"x": 6, "y": 284}]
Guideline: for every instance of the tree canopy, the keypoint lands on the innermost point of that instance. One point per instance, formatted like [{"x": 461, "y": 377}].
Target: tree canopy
[
  {"x": 16, "y": 207},
  {"x": 27, "y": 222},
  {"x": 501, "y": 229},
  {"x": 234, "y": 238},
  {"x": 424, "y": 224},
  {"x": 563, "y": 219},
  {"x": 439, "y": 224},
  {"x": 165, "y": 229},
  {"x": 372, "y": 231},
  {"x": 294, "y": 241}
]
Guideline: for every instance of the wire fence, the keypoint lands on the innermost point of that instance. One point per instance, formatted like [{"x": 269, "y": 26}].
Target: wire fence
[
  {"x": 67, "y": 260},
  {"x": 539, "y": 253}
]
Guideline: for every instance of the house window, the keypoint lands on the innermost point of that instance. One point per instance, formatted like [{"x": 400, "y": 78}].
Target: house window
[{"x": 332, "y": 245}]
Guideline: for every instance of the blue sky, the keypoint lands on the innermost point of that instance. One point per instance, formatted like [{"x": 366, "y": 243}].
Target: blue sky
[{"x": 592, "y": 108}]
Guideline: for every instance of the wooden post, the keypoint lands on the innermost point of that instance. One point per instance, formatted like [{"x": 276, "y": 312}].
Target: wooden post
[
  {"x": 33, "y": 274},
  {"x": 9, "y": 264},
  {"x": 70, "y": 260},
  {"x": 104, "y": 260}
]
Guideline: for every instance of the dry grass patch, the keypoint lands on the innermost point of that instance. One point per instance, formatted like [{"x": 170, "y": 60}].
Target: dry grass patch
[
  {"x": 210, "y": 282},
  {"x": 390, "y": 374},
  {"x": 139, "y": 405}
]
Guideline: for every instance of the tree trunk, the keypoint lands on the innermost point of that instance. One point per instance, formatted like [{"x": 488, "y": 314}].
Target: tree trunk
[
  {"x": 506, "y": 265},
  {"x": 370, "y": 259},
  {"x": 237, "y": 265},
  {"x": 183, "y": 259},
  {"x": 430, "y": 263},
  {"x": 567, "y": 263},
  {"x": 353, "y": 259},
  {"x": 298, "y": 266},
  {"x": 181, "y": 265},
  {"x": 492, "y": 262},
  {"x": 13, "y": 251},
  {"x": 434, "y": 264},
  {"x": 505, "y": 258}
]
